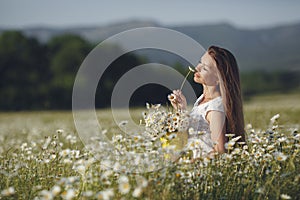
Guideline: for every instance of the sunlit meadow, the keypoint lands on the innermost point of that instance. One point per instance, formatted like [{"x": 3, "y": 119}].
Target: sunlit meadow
[{"x": 42, "y": 157}]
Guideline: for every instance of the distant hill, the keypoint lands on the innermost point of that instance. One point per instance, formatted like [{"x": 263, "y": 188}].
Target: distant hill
[
  {"x": 271, "y": 48},
  {"x": 268, "y": 49}
]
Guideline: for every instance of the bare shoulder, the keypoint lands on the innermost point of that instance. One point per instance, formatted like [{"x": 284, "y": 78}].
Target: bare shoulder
[{"x": 213, "y": 115}]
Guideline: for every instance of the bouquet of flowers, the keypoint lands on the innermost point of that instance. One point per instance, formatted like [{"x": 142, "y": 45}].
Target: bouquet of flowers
[{"x": 170, "y": 127}]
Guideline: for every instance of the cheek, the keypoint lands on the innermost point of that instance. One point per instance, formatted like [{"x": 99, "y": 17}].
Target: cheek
[{"x": 212, "y": 80}]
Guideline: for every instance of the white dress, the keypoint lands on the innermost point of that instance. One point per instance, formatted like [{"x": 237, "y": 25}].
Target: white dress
[{"x": 199, "y": 140}]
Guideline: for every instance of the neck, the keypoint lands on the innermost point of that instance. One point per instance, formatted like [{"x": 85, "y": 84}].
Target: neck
[{"x": 211, "y": 92}]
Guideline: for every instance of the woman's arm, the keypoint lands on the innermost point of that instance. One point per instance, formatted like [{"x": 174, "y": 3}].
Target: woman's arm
[{"x": 216, "y": 121}]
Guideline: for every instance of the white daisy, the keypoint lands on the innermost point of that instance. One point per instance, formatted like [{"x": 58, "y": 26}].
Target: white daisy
[
  {"x": 124, "y": 186},
  {"x": 285, "y": 196}
]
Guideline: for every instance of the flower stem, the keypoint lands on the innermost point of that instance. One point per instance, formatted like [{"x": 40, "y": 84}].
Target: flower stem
[{"x": 184, "y": 80}]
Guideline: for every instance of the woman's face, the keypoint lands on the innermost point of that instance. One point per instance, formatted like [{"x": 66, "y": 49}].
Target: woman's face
[{"x": 206, "y": 71}]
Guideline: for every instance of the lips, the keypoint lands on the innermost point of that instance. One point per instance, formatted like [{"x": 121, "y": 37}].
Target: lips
[{"x": 197, "y": 75}]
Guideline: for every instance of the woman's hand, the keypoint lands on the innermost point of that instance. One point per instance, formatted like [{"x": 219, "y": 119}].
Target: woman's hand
[{"x": 178, "y": 100}]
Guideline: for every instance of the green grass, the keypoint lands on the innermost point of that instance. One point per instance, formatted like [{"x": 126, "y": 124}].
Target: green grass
[
  {"x": 42, "y": 156},
  {"x": 260, "y": 109}
]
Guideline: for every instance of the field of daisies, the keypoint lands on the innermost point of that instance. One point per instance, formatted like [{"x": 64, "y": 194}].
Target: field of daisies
[{"x": 42, "y": 157}]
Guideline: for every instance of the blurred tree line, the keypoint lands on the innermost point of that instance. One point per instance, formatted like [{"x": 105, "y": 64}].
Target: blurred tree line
[{"x": 38, "y": 75}]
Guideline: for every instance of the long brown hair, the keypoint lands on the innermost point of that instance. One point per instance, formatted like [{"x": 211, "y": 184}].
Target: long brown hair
[{"x": 230, "y": 88}]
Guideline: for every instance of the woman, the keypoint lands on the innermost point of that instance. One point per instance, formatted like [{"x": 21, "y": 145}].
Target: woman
[{"x": 218, "y": 111}]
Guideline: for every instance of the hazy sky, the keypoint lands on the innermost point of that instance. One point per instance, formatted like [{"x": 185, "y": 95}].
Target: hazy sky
[{"x": 65, "y": 13}]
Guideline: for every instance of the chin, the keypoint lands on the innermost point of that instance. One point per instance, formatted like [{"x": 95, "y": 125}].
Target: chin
[{"x": 197, "y": 80}]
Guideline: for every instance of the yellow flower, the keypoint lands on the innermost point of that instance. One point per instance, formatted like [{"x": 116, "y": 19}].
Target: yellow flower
[{"x": 165, "y": 143}]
